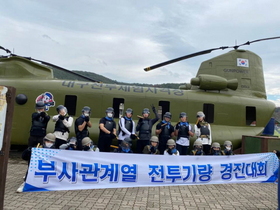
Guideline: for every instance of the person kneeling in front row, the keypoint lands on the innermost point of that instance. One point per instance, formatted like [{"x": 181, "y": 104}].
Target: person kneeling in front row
[{"x": 171, "y": 148}]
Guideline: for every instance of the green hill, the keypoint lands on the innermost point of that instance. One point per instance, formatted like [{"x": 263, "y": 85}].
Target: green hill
[{"x": 61, "y": 73}]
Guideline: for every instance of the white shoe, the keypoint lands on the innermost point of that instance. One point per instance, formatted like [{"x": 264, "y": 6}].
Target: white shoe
[
  {"x": 23, "y": 177},
  {"x": 20, "y": 189}
]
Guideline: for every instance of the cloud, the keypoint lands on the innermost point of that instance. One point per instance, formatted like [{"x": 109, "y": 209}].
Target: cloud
[{"x": 119, "y": 39}]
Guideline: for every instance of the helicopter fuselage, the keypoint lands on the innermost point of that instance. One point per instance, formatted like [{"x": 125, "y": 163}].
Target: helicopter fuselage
[{"x": 230, "y": 116}]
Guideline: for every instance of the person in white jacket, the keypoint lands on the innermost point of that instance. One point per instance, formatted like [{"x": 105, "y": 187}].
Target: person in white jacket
[
  {"x": 202, "y": 130},
  {"x": 62, "y": 125},
  {"x": 126, "y": 126},
  {"x": 171, "y": 148}
]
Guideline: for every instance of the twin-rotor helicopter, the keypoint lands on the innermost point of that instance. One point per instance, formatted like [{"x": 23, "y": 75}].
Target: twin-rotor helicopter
[{"x": 229, "y": 89}]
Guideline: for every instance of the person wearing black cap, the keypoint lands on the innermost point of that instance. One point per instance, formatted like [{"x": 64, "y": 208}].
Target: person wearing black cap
[
  {"x": 165, "y": 131},
  {"x": 126, "y": 126},
  {"x": 183, "y": 131},
  {"x": 38, "y": 129},
  {"x": 82, "y": 124},
  {"x": 107, "y": 133},
  {"x": 144, "y": 127}
]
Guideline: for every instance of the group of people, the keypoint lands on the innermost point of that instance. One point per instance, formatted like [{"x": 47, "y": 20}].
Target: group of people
[{"x": 161, "y": 143}]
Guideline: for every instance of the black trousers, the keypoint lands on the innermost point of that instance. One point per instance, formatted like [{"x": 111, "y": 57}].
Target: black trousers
[
  {"x": 33, "y": 141},
  {"x": 104, "y": 144},
  {"x": 59, "y": 142},
  {"x": 162, "y": 144},
  {"x": 140, "y": 144},
  {"x": 206, "y": 149},
  {"x": 183, "y": 150}
]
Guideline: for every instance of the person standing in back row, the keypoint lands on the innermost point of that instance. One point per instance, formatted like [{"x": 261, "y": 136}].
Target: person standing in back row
[
  {"x": 38, "y": 129},
  {"x": 165, "y": 131},
  {"x": 62, "y": 125},
  {"x": 126, "y": 126},
  {"x": 81, "y": 126},
  {"x": 107, "y": 133},
  {"x": 144, "y": 127},
  {"x": 183, "y": 131},
  {"x": 202, "y": 130}
]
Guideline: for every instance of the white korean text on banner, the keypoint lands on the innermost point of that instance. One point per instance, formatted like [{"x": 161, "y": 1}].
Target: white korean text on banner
[
  {"x": 3, "y": 110},
  {"x": 52, "y": 169}
]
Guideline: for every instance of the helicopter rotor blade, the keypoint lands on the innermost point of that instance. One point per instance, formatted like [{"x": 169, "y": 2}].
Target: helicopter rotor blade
[
  {"x": 51, "y": 65},
  {"x": 257, "y": 40},
  {"x": 7, "y": 50},
  {"x": 183, "y": 58},
  {"x": 63, "y": 69},
  {"x": 204, "y": 52}
]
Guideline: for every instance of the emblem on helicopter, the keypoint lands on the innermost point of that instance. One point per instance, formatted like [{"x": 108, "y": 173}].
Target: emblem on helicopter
[
  {"x": 242, "y": 62},
  {"x": 47, "y": 98}
]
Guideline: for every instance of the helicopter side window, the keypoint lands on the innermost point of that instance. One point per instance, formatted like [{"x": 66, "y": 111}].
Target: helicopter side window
[
  {"x": 70, "y": 102},
  {"x": 118, "y": 105},
  {"x": 251, "y": 115},
  {"x": 164, "y": 106},
  {"x": 208, "y": 110}
]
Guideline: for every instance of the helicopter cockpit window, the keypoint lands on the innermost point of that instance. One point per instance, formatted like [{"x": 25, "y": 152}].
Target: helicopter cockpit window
[
  {"x": 165, "y": 107},
  {"x": 208, "y": 110},
  {"x": 70, "y": 103},
  {"x": 251, "y": 115},
  {"x": 118, "y": 105}
]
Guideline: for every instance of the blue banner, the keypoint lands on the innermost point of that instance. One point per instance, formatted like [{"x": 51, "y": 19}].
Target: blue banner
[{"x": 52, "y": 169}]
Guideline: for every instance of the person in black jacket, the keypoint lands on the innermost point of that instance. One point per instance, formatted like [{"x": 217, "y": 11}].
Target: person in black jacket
[
  {"x": 38, "y": 129},
  {"x": 107, "y": 133},
  {"x": 183, "y": 131},
  {"x": 165, "y": 131},
  {"x": 144, "y": 127},
  {"x": 82, "y": 124}
]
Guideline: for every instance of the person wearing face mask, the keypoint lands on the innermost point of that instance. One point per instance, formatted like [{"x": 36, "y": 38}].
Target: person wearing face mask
[
  {"x": 48, "y": 143},
  {"x": 71, "y": 145},
  {"x": 216, "y": 149},
  {"x": 152, "y": 148},
  {"x": 144, "y": 127},
  {"x": 126, "y": 126},
  {"x": 82, "y": 124},
  {"x": 38, "y": 129},
  {"x": 183, "y": 131},
  {"x": 62, "y": 125},
  {"x": 88, "y": 145},
  {"x": 107, "y": 131},
  {"x": 197, "y": 148},
  {"x": 124, "y": 146},
  {"x": 227, "y": 148},
  {"x": 202, "y": 129},
  {"x": 171, "y": 148},
  {"x": 165, "y": 131}
]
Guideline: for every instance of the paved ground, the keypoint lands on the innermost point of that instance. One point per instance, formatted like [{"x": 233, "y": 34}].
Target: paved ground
[{"x": 231, "y": 196}]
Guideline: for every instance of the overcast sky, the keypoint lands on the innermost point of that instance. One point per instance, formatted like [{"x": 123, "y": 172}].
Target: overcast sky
[{"x": 118, "y": 39}]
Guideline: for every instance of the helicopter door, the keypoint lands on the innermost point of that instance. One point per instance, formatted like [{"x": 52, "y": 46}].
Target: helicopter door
[
  {"x": 208, "y": 110},
  {"x": 251, "y": 115},
  {"x": 70, "y": 102},
  {"x": 118, "y": 105},
  {"x": 164, "y": 106}
]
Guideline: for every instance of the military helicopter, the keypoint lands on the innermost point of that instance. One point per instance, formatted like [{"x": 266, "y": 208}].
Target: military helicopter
[{"x": 229, "y": 89}]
